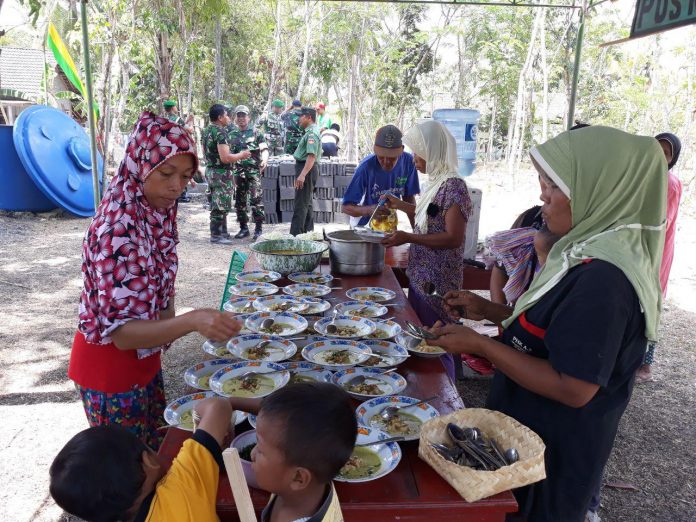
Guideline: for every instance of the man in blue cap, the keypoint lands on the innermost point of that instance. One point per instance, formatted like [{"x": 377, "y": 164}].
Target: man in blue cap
[{"x": 293, "y": 131}]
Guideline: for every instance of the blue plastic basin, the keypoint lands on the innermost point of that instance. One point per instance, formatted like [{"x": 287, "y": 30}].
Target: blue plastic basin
[{"x": 19, "y": 192}]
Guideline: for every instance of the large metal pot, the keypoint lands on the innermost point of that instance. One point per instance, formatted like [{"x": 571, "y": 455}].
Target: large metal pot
[{"x": 351, "y": 255}]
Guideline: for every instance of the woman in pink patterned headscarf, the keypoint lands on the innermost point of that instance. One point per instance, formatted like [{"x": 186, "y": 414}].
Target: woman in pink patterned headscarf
[{"x": 129, "y": 266}]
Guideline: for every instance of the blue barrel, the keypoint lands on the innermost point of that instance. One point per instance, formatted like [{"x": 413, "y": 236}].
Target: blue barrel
[
  {"x": 19, "y": 192},
  {"x": 463, "y": 124}
]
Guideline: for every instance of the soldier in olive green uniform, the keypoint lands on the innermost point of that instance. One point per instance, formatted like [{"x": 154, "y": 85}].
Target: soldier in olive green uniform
[
  {"x": 307, "y": 157},
  {"x": 247, "y": 173},
  {"x": 272, "y": 128},
  {"x": 293, "y": 130},
  {"x": 216, "y": 144}
]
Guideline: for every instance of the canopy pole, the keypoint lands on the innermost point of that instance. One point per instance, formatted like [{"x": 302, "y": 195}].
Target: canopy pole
[
  {"x": 576, "y": 65},
  {"x": 90, "y": 105}
]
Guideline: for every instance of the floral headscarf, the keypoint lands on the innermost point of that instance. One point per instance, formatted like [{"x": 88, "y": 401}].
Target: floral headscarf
[{"x": 129, "y": 259}]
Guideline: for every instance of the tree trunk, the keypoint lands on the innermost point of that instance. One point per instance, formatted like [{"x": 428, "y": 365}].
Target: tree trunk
[
  {"x": 189, "y": 90},
  {"x": 218, "y": 61},
  {"x": 163, "y": 61},
  {"x": 305, "y": 54},
  {"x": 352, "y": 131},
  {"x": 491, "y": 132},
  {"x": 516, "y": 132},
  {"x": 276, "y": 55},
  {"x": 545, "y": 76}
]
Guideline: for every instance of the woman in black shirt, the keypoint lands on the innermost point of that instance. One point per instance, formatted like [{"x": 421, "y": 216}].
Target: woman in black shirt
[{"x": 570, "y": 349}]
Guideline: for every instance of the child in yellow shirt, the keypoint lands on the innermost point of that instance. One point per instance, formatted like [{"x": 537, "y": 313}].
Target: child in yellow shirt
[{"x": 106, "y": 473}]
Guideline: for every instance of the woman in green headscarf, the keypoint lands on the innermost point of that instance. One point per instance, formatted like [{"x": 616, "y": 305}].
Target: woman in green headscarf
[{"x": 570, "y": 349}]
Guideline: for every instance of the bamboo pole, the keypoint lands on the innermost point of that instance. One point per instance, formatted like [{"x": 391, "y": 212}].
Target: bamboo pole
[
  {"x": 576, "y": 65},
  {"x": 90, "y": 104}
]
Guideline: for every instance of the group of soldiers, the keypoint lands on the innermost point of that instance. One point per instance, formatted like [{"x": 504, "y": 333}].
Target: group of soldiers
[{"x": 236, "y": 154}]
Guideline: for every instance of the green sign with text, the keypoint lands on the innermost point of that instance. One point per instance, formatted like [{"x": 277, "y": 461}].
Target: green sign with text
[{"x": 654, "y": 16}]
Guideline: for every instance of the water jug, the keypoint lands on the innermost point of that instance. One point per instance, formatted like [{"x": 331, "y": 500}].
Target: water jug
[{"x": 463, "y": 124}]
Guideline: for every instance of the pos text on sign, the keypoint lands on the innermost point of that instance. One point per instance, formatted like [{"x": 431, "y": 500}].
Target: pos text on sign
[{"x": 654, "y": 16}]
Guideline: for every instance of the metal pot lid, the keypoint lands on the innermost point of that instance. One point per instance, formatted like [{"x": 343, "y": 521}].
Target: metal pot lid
[{"x": 55, "y": 152}]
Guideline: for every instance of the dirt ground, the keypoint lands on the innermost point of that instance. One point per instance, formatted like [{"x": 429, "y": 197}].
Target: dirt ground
[{"x": 39, "y": 288}]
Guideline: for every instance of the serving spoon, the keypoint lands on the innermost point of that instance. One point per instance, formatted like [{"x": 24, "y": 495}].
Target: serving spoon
[
  {"x": 383, "y": 441},
  {"x": 390, "y": 412}
]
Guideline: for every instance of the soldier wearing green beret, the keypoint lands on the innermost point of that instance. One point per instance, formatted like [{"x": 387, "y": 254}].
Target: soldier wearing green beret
[
  {"x": 293, "y": 130},
  {"x": 216, "y": 144},
  {"x": 272, "y": 128},
  {"x": 247, "y": 173},
  {"x": 306, "y": 157}
]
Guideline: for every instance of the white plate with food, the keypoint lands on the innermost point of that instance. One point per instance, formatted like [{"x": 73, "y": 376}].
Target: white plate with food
[
  {"x": 280, "y": 303},
  {"x": 336, "y": 354},
  {"x": 418, "y": 347},
  {"x": 347, "y": 327},
  {"x": 258, "y": 276},
  {"x": 216, "y": 348},
  {"x": 240, "y": 305},
  {"x": 385, "y": 330},
  {"x": 364, "y": 383},
  {"x": 261, "y": 347},
  {"x": 366, "y": 309},
  {"x": 307, "y": 290},
  {"x": 179, "y": 413},
  {"x": 373, "y": 461},
  {"x": 314, "y": 278},
  {"x": 406, "y": 423},
  {"x": 375, "y": 294},
  {"x": 301, "y": 371},
  {"x": 390, "y": 354},
  {"x": 198, "y": 376},
  {"x": 254, "y": 289},
  {"x": 284, "y": 323},
  {"x": 237, "y": 380},
  {"x": 315, "y": 305}
]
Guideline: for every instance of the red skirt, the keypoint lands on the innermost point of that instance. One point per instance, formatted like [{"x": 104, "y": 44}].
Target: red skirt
[{"x": 105, "y": 368}]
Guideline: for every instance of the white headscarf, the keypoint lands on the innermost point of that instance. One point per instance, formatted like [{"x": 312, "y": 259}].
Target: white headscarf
[{"x": 435, "y": 144}]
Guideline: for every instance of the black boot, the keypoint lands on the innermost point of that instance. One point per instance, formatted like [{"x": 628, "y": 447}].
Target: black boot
[
  {"x": 243, "y": 231},
  {"x": 223, "y": 230},
  {"x": 216, "y": 235},
  {"x": 258, "y": 231}
]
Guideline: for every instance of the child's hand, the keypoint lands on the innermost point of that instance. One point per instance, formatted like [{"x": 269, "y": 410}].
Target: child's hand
[
  {"x": 215, "y": 414},
  {"x": 248, "y": 405}
]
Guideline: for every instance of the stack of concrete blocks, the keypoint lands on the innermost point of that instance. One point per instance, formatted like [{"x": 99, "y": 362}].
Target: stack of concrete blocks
[
  {"x": 269, "y": 187},
  {"x": 322, "y": 203},
  {"x": 286, "y": 180},
  {"x": 343, "y": 174}
]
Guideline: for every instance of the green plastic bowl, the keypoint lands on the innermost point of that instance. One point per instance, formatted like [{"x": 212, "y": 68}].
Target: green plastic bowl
[{"x": 306, "y": 261}]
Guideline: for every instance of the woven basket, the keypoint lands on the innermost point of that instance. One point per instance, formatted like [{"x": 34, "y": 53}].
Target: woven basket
[{"x": 474, "y": 485}]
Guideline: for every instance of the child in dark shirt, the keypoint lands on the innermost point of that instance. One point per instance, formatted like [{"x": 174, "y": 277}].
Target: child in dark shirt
[{"x": 305, "y": 434}]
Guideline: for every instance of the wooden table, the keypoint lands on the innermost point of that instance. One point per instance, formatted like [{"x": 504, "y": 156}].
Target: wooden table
[
  {"x": 413, "y": 491},
  {"x": 474, "y": 278}
]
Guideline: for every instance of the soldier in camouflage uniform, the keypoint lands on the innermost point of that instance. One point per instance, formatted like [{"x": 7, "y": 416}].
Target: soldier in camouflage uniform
[
  {"x": 293, "y": 131},
  {"x": 247, "y": 173},
  {"x": 272, "y": 128},
  {"x": 216, "y": 144},
  {"x": 171, "y": 112}
]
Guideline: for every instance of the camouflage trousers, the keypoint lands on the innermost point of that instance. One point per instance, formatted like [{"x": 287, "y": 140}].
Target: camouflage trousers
[
  {"x": 221, "y": 185},
  {"x": 291, "y": 143},
  {"x": 248, "y": 193},
  {"x": 275, "y": 146}
]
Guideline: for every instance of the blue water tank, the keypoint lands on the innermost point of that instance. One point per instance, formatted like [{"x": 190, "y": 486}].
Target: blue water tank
[
  {"x": 463, "y": 124},
  {"x": 19, "y": 192}
]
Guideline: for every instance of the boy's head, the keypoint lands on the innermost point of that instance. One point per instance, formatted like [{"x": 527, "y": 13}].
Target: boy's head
[
  {"x": 103, "y": 473},
  {"x": 305, "y": 434},
  {"x": 543, "y": 242}
]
